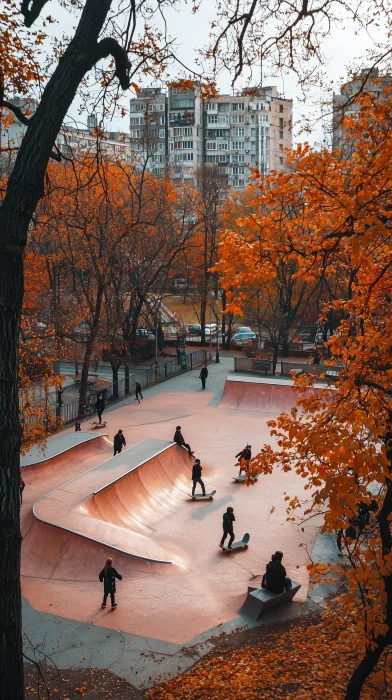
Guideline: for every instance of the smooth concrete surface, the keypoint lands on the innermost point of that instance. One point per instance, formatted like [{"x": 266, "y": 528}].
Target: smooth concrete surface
[
  {"x": 58, "y": 446},
  {"x": 162, "y": 607}
]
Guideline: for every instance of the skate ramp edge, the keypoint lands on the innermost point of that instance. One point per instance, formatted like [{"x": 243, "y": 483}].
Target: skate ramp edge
[
  {"x": 80, "y": 443},
  {"x": 263, "y": 394},
  {"x": 115, "y": 503}
]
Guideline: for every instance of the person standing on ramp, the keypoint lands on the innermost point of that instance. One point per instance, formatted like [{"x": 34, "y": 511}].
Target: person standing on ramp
[
  {"x": 228, "y": 520},
  {"x": 196, "y": 477},
  {"x": 100, "y": 407},
  {"x": 119, "y": 442},
  {"x": 108, "y": 577}
]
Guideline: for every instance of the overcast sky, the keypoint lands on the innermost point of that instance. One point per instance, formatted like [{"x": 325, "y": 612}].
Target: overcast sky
[{"x": 343, "y": 49}]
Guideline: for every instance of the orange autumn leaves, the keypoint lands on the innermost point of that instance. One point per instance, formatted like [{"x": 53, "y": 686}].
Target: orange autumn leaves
[{"x": 330, "y": 216}]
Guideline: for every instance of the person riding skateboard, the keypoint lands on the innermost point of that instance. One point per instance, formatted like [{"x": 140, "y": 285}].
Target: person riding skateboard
[
  {"x": 196, "y": 477},
  {"x": 118, "y": 442},
  {"x": 203, "y": 376},
  {"x": 244, "y": 458},
  {"x": 228, "y": 520},
  {"x": 100, "y": 407},
  {"x": 108, "y": 577},
  {"x": 179, "y": 439}
]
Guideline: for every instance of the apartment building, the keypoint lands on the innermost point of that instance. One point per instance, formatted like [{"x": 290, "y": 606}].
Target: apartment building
[
  {"x": 238, "y": 133},
  {"x": 370, "y": 82}
]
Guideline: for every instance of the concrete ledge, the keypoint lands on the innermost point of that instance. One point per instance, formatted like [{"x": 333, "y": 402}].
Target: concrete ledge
[{"x": 261, "y": 600}]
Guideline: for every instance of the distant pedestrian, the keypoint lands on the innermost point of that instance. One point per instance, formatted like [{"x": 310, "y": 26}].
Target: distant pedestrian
[
  {"x": 100, "y": 407},
  {"x": 156, "y": 369},
  {"x": 77, "y": 427},
  {"x": 179, "y": 439},
  {"x": 138, "y": 392},
  {"x": 118, "y": 442},
  {"x": 196, "y": 477},
  {"x": 108, "y": 577},
  {"x": 21, "y": 488},
  {"x": 228, "y": 520},
  {"x": 203, "y": 376}
]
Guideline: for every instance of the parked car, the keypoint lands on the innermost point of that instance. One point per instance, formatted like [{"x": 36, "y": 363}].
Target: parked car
[
  {"x": 193, "y": 329},
  {"x": 211, "y": 328},
  {"x": 243, "y": 339},
  {"x": 243, "y": 329}
]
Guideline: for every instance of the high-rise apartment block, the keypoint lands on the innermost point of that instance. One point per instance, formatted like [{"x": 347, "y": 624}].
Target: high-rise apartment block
[
  {"x": 179, "y": 131},
  {"x": 367, "y": 81}
]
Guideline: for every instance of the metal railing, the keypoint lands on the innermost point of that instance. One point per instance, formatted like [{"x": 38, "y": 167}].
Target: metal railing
[{"x": 127, "y": 387}]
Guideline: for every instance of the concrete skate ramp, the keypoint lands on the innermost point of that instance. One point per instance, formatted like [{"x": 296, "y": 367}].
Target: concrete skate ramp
[
  {"x": 58, "y": 448},
  {"x": 116, "y": 503},
  {"x": 266, "y": 395}
]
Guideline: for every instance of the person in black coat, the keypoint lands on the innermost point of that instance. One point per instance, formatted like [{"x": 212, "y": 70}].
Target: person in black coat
[
  {"x": 179, "y": 439},
  {"x": 119, "y": 442},
  {"x": 228, "y": 520},
  {"x": 275, "y": 579},
  {"x": 196, "y": 477},
  {"x": 138, "y": 392},
  {"x": 108, "y": 577},
  {"x": 100, "y": 407},
  {"x": 203, "y": 376},
  {"x": 244, "y": 457}
]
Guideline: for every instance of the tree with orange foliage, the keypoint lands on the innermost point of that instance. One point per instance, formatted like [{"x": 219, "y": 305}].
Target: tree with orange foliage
[{"x": 339, "y": 440}]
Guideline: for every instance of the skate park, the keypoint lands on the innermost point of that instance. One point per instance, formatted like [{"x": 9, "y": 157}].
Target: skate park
[{"x": 81, "y": 505}]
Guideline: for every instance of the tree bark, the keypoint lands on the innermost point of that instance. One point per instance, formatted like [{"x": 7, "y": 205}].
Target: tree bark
[
  {"x": 126, "y": 377},
  {"x": 24, "y": 190}
]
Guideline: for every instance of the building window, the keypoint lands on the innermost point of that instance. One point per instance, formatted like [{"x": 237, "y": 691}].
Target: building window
[
  {"x": 281, "y": 147},
  {"x": 264, "y": 118},
  {"x": 239, "y": 170},
  {"x": 281, "y": 134},
  {"x": 253, "y": 132},
  {"x": 211, "y": 159},
  {"x": 188, "y": 156},
  {"x": 222, "y": 146},
  {"x": 239, "y": 132},
  {"x": 280, "y": 108},
  {"x": 222, "y": 158},
  {"x": 187, "y": 144},
  {"x": 238, "y": 106},
  {"x": 281, "y": 125},
  {"x": 212, "y": 119},
  {"x": 238, "y": 145},
  {"x": 281, "y": 160},
  {"x": 211, "y": 145},
  {"x": 161, "y": 133},
  {"x": 253, "y": 158}
]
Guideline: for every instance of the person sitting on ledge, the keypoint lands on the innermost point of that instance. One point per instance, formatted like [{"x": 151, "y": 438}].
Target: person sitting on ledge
[{"x": 275, "y": 579}]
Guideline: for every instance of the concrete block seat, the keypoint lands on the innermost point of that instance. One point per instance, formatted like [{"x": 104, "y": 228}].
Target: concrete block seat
[{"x": 261, "y": 600}]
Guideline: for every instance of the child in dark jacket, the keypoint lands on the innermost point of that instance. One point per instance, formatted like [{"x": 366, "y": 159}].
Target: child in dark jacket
[
  {"x": 108, "y": 577},
  {"x": 228, "y": 520}
]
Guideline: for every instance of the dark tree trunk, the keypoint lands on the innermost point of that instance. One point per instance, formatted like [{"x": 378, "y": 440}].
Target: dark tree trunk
[
  {"x": 363, "y": 671},
  {"x": 126, "y": 377},
  {"x": 84, "y": 378},
  {"x": 24, "y": 190},
  {"x": 223, "y": 318},
  {"x": 203, "y": 310},
  {"x": 115, "y": 365}
]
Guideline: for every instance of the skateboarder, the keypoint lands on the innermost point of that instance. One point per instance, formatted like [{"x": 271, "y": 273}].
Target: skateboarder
[
  {"x": 275, "y": 579},
  {"x": 100, "y": 407},
  {"x": 228, "y": 519},
  {"x": 21, "y": 488},
  {"x": 244, "y": 457},
  {"x": 108, "y": 577},
  {"x": 203, "y": 376},
  {"x": 118, "y": 442},
  {"x": 77, "y": 427},
  {"x": 138, "y": 392},
  {"x": 196, "y": 477},
  {"x": 178, "y": 438}
]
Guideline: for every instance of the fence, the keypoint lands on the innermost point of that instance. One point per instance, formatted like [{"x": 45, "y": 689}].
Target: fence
[{"x": 127, "y": 387}]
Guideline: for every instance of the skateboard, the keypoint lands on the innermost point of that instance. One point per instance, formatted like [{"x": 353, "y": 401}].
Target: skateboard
[
  {"x": 238, "y": 545},
  {"x": 243, "y": 477},
  {"x": 198, "y": 496},
  {"x": 95, "y": 424}
]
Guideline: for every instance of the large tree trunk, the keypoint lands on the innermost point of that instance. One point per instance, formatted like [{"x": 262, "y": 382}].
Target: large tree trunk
[
  {"x": 115, "y": 365},
  {"x": 24, "y": 190},
  {"x": 11, "y": 294},
  {"x": 203, "y": 311}
]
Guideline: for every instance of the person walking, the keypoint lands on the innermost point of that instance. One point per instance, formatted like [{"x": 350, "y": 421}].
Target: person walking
[
  {"x": 244, "y": 458},
  {"x": 228, "y": 520},
  {"x": 203, "y": 376},
  {"x": 156, "y": 370},
  {"x": 21, "y": 488},
  {"x": 77, "y": 427},
  {"x": 138, "y": 392},
  {"x": 108, "y": 577},
  {"x": 179, "y": 439},
  {"x": 100, "y": 407},
  {"x": 118, "y": 442},
  {"x": 196, "y": 477}
]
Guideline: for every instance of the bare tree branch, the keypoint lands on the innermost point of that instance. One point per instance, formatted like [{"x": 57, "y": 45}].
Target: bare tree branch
[
  {"x": 110, "y": 47},
  {"x": 32, "y": 13}
]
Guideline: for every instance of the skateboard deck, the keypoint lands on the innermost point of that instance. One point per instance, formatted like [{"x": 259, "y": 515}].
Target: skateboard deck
[
  {"x": 198, "y": 496},
  {"x": 238, "y": 545},
  {"x": 243, "y": 477},
  {"x": 95, "y": 424}
]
